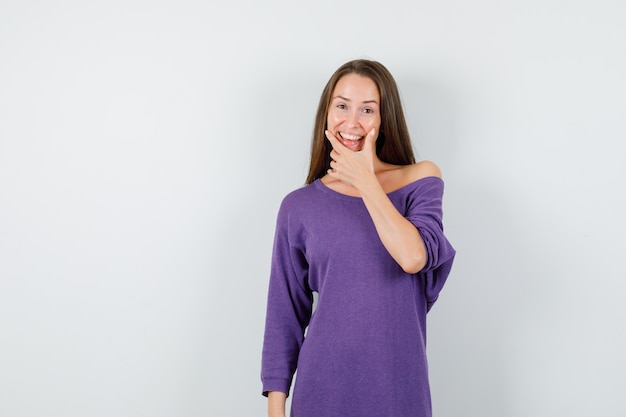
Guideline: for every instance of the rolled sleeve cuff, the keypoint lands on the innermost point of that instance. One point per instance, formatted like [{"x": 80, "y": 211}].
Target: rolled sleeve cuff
[{"x": 276, "y": 385}]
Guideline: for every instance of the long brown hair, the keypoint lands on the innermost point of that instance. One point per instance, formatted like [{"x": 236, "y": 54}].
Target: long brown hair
[{"x": 393, "y": 144}]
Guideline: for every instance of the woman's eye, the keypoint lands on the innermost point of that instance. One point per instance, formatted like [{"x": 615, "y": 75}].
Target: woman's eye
[
  {"x": 341, "y": 106},
  {"x": 368, "y": 111}
]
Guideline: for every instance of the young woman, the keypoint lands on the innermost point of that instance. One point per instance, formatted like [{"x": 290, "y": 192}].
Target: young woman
[{"x": 365, "y": 233}]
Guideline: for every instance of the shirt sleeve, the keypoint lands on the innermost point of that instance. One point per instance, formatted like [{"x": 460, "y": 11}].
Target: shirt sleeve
[
  {"x": 424, "y": 210},
  {"x": 289, "y": 305}
]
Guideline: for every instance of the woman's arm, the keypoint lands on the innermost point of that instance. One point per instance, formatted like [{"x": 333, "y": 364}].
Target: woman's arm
[
  {"x": 399, "y": 236},
  {"x": 276, "y": 404}
]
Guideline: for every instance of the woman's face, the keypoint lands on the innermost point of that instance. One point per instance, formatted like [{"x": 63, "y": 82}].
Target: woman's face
[{"x": 354, "y": 110}]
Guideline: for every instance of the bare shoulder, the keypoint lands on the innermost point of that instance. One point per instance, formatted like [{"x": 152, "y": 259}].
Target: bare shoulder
[
  {"x": 398, "y": 176},
  {"x": 421, "y": 170}
]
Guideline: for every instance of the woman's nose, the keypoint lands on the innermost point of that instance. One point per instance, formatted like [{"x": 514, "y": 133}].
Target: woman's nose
[{"x": 353, "y": 119}]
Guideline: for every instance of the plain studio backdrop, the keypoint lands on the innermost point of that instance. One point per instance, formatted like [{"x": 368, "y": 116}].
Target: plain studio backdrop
[{"x": 145, "y": 147}]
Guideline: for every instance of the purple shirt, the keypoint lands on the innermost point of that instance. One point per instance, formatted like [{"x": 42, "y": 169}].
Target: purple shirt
[{"x": 364, "y": 353}]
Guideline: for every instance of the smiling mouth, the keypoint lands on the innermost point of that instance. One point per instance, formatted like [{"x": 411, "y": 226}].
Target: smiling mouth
[{"x": 350, "y": 137}]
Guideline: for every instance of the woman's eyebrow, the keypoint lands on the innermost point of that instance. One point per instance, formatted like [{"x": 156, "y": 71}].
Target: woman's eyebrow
[{"x": 347, "y": 99}]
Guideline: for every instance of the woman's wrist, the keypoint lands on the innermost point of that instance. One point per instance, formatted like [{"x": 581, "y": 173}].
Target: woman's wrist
[{"x": 276, "y": 403}]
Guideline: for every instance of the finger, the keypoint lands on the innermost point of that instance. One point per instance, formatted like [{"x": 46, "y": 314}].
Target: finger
[
  {"x": 331, "y": 138},
  {"x": 334, "y": 141},
  {"x": 331, "y": 169},
  {"x": 334, "y": 154},
  {"x": 371, "y": 135},
  {"x": 370, "y": 141}
]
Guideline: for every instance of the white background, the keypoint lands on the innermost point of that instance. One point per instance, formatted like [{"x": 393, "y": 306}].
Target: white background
[{"x": 145, "y": 147}]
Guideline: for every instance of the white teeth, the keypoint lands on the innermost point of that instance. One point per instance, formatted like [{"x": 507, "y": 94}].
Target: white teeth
[{"x": 350, "y": 137}]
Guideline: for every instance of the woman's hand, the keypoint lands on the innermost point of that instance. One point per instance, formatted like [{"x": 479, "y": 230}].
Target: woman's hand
[
  {"x": 349, "y": 167},
  {"x": 357, "y": 169}
]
